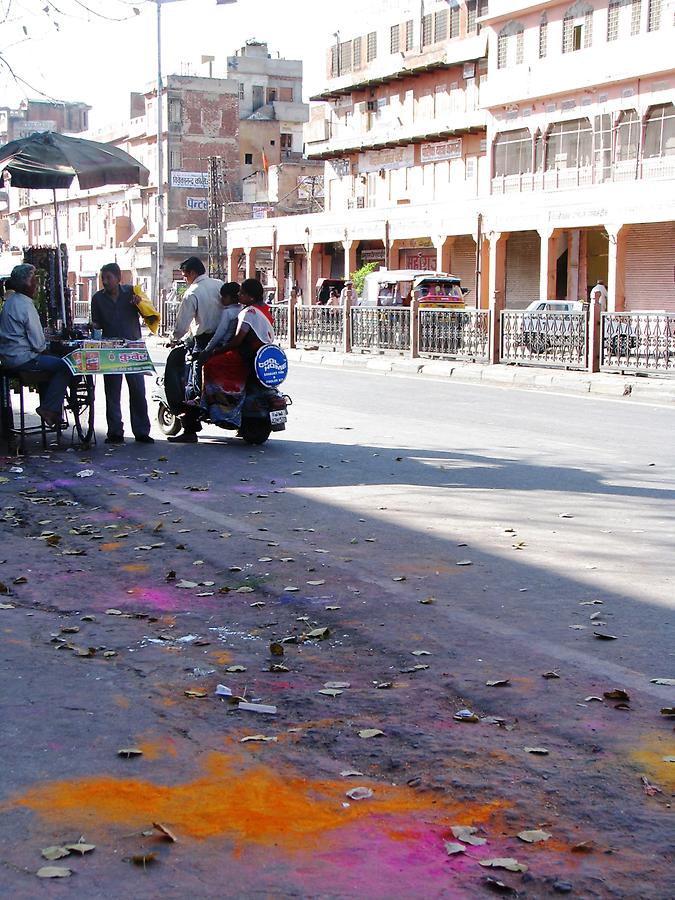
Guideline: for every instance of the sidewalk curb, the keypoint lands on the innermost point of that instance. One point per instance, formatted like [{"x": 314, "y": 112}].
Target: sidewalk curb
[{"x": 603, "y": 385}]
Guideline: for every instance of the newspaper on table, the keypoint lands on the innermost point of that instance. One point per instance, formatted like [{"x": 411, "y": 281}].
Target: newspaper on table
[{"x": 110, "y": 358}]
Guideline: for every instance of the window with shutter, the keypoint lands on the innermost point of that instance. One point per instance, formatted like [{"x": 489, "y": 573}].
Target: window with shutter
[
  {"x": 543, "y": 36},
  {"x": 440, "y": 25},
  {"x": 408, "y": 35},
  {"x": 427, "y": 29},
  {"x": 395, "y": 39},
  {"x": 654, "y": 15},
  {"x": 371, "y": 46}
]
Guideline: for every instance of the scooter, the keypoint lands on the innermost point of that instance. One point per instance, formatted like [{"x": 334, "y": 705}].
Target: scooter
[{"x": 265, "y": 408}]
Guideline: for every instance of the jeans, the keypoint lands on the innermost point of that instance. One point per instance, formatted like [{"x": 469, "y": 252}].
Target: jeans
[
  {"x": 193, "y": 379},
  {"x": 51, "y": 395},
  {"x": 138, "y": 406}
]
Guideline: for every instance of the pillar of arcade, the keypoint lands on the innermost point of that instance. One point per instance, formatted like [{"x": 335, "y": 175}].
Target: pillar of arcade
[{"x": 496, "y": 287}]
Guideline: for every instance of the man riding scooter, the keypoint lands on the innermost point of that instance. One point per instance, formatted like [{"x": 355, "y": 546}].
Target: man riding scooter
[{"x": 198, "y": 315}]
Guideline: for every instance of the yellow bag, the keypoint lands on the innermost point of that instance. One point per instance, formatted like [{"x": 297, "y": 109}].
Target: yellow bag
[{"x": 148, "y": 312}]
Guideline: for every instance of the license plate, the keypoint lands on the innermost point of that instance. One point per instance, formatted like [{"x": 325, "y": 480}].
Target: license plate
[{"x": 278, "y": 416}]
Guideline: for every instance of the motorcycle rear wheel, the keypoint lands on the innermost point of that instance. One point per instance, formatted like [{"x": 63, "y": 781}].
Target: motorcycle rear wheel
[
  {"x": 255, "y": 431},
  {"x": 168, "y": 423}
]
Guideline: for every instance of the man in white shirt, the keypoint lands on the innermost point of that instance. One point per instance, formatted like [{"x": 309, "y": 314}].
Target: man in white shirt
[
  {"x": 198, "y": 315},
  {"x": 200, "y": 309},
  {"x": 599, "y": 295}
]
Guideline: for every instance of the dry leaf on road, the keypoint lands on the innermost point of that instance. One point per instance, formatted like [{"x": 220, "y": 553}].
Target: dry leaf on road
[
  {"x": 53, "y": 853},
  {"x": 53, "y": 872},
  {"x": 534, "y": 836},
  {"x": 451, "y": 848},
  {"x": 506, "y": 862},
  {"x": 360, "y": 793},
  {"x": 80, "y": 847},
  {"x": 165, "y": 832},
  {"x": 466, "y": 834}
]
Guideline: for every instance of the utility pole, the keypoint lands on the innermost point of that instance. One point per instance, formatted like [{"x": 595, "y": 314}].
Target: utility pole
[
  {"x": 159, "y": 253},
  {"x": 217, "y": 267}
]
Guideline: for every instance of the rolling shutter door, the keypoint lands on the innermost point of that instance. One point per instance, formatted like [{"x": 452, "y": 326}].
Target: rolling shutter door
[
  {"x": 463, "y": 264},
  {"x": 650, "y": 267},
  {"x": 522, "y": 269}
]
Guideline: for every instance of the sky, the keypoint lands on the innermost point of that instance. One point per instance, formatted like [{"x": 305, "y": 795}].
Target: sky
[{"x": 64, "y": 50}]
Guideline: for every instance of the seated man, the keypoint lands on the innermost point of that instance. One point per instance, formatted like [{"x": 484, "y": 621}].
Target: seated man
[{"x": 22, "y": 343}]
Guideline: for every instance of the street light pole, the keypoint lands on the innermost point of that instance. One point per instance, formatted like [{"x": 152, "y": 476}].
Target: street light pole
[{"x": 159, "y": 253}]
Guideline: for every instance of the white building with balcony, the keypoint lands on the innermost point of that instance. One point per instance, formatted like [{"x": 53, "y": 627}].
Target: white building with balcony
[
  {"x": 581, "y": 130},
  {"x": 544, "y": 130}
]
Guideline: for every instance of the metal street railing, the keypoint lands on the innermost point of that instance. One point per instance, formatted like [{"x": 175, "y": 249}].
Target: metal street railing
[
  {"x": 456, "y": 334},
  {"x": 81, "y": 311},
  {"x": 638, "y": 342},
  {"x": 280, "y": 321},
  {"x": 544, "y": 338},
  {"x": 168, "y": 316},
  {"x": 320, "y": 326},
  {"x": 380, "y": 328}
]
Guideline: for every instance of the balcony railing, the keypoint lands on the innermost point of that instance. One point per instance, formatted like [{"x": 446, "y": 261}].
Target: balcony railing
[
  {"x": 454, "y": 334},
  {"x": 565, "y": 179},
  {"x": 380, "y": 328},
  {"x": 544, "y": 339},
  {"x": 319, "y": 326},
  {"x": 638, "y": 342}
]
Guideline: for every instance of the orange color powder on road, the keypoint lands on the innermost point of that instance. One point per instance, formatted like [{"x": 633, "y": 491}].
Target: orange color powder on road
[
  {"x": 154, "y": 748},
  {"x": 221, "y": 657},
  {"x": 247, "y": 805},
  {"x": 135, "y": 567}
]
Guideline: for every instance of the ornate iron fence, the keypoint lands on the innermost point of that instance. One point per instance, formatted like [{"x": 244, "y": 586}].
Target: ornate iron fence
[
  {"x": 544, "y": 338},
  {"x": 381, "y": 328},
  {"x": 638, "y": 342},
  {"x": 81, "y": 310},
  {"x": 458, "y": 334},
  {"x": 280, "y": 320},
  {"x": 169, "y": 313},
  {"x": 321, "y": 326}
]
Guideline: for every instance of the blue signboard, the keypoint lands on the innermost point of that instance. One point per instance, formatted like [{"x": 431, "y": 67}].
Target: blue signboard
[{"x": 271, "y": 365}]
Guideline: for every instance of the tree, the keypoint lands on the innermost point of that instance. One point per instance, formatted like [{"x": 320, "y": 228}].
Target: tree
[
  {"x": 359, "y": 277},
  {"x": 38, "y": 19}
]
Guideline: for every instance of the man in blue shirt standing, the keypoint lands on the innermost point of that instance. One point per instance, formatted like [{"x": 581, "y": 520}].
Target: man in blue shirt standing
[
  {"x": 114, "y": 311},
  {"x": 22, "y": 343}
]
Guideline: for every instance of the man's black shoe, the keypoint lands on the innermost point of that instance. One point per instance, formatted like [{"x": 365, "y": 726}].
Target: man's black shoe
[
  {"x": 115, "y": 439},
  {"x": 145, "y": 439},
  {"x": 187, "y": 437}
]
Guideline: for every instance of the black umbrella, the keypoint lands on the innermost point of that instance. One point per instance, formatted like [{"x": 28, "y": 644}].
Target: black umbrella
[{"x": 50, "y": 160}]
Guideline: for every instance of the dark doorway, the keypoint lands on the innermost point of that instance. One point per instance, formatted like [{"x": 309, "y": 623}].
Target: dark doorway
[{"x": 561, "y": 276}]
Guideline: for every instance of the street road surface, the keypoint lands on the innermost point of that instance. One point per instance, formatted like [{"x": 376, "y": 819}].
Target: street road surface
[{"x": 411, "y": 549}]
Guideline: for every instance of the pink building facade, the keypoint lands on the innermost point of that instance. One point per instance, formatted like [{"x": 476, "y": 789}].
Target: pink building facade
[{"x": 533, "y": 144}]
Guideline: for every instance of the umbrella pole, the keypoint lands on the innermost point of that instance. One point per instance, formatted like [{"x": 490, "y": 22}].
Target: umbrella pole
[{"x": 60, "y": 260}]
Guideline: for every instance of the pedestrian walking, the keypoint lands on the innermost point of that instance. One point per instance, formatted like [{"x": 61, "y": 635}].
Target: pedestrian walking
[{"x": 114, "y": 311}]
